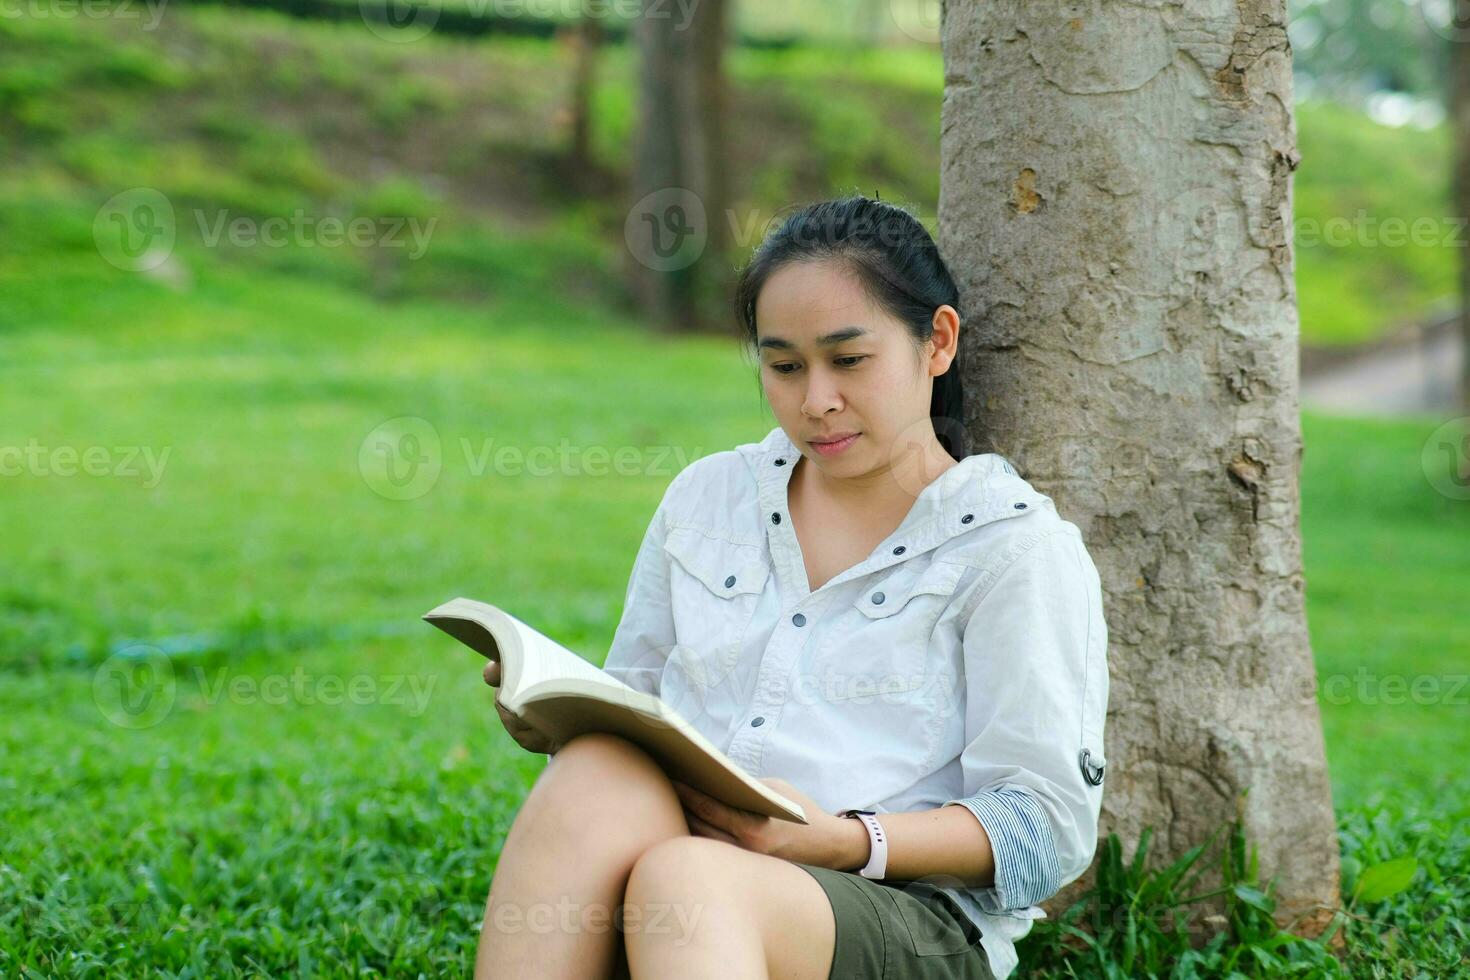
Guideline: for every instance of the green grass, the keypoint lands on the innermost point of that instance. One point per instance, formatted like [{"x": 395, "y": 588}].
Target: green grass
[
  {"x": 327, "y": 789},
  {"x": 1377, "y": 244},
  {"x": 241, "y": 835}
]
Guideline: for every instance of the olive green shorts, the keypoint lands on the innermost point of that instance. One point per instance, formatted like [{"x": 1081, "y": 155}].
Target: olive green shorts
[{"x": 895, "y": 930}]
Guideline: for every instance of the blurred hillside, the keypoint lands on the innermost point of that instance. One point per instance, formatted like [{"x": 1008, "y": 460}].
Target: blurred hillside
[{"x": 233, "y": 113}]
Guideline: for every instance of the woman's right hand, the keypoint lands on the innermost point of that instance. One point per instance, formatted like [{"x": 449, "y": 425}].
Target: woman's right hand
[{"x": 525, "y": 736}]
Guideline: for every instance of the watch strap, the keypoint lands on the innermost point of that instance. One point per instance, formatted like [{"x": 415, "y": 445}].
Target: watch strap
[{"x": 877, "y": 843}]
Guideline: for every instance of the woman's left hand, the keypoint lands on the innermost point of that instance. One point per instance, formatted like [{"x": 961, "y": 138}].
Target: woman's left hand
[{"x": 820, "y": 841}]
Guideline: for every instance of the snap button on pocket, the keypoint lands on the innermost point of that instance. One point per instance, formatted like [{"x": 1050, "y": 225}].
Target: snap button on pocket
[
  {"x": 725, "y": 568},
  {"x": 894, "y": 592}
]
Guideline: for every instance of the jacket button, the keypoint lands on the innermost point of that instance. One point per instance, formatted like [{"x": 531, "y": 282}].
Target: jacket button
[
  {"x": 967, "y": 518},
  {"x": 1020, "y": 507},
  {"x": 757, "y": 721},
  {"x": 877, "y": 598},
  {"x": 729, "y": 582},
  {"x": 799, "y": 619},
  {"x": 899, "y": 550},
  {"x": 775, "y": 518}
]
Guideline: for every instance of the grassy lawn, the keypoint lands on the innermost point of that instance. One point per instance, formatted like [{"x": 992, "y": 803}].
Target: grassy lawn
[
  {"x": 350, "y": 825},
  {"x": 320, "y": 783}
]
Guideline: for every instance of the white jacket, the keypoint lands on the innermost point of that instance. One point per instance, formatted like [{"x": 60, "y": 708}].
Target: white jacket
[{"x": 963, "y": 662}]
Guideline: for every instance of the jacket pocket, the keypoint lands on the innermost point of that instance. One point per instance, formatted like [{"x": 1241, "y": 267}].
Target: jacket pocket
[
  {"x": 714, "y": 585},
  {"x": 887, "y": 649}
]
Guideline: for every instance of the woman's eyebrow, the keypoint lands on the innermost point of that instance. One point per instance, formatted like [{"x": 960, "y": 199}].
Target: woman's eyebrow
[{"x": 826, "y": 340}]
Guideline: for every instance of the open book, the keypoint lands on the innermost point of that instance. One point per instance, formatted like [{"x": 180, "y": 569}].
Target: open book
[{"x": 560, "y": 695}]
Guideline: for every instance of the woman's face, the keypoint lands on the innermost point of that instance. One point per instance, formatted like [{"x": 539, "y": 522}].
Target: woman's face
[{"x": 834, "y": 365}]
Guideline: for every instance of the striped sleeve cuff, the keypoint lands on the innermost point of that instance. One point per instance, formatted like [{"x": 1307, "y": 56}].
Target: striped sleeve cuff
[{"x": 1026, "y": 867}]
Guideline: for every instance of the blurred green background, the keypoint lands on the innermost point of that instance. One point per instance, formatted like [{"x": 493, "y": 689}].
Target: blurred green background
[{"x": 234, "y": 529}]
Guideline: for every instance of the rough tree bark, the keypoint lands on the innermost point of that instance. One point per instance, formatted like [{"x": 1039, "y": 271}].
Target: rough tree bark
[{"x": 1116, "y": 200}]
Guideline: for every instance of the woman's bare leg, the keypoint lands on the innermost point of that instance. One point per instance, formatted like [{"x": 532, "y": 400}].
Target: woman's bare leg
[
  {"x": 554, "y": 902},
  {"x": 728, "y": 914}
]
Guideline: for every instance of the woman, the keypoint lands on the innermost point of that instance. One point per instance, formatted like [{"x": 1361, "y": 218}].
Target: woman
[{"x": 864, "y": 616}]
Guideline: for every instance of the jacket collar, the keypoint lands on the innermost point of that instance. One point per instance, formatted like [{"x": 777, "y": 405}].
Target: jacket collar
[{"x": 978, "y": 490}]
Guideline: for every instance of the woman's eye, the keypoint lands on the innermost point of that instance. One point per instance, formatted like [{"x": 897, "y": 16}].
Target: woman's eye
[{"x": 853, "y": 358}]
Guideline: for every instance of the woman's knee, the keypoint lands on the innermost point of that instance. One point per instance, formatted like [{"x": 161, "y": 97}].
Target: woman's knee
[
  {"x": 672, "y": 866},
  {"x": 602, "y": 755},
  {"x": 609, "y": 774}
]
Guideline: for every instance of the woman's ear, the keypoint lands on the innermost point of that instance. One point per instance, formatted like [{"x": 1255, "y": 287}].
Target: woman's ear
[{"x": 946, "y": 338}]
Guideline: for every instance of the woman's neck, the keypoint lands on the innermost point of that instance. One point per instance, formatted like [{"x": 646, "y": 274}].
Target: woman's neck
[{"x": 889, "y": 489}]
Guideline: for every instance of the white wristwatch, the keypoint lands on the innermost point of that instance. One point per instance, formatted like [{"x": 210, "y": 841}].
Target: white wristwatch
[{"x": 878, "y": 843}]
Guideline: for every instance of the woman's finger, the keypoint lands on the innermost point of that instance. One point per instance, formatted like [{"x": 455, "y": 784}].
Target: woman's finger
[
  {"x": 703, "y": 828},
  {"x": 491, "y": 673}
]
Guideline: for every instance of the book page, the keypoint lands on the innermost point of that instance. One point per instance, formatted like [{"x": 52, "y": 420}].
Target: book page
[
  {"x": 544, "y": 660},
  {"x": 528, "y": 658}
]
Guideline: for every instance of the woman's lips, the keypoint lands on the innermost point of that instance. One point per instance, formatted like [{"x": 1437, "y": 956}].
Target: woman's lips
[{"x": 833, "y": 448}]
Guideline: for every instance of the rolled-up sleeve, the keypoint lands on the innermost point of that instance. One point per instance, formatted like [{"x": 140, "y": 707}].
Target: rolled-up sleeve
[
  {"x": 1036, "y": 688},
  {"x": 645, "y": 631}
]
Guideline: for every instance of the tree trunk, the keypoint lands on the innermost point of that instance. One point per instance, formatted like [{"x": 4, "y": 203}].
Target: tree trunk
[
  {"x": 587, "y": 43},
  {"x": 1116, "y": 201},
  {"x": 677, "y": 228},
  {"x": 1457, "y": 98}
]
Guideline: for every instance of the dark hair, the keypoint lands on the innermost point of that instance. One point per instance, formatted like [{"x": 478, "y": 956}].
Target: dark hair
[{"x": 898, "y": 266}]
